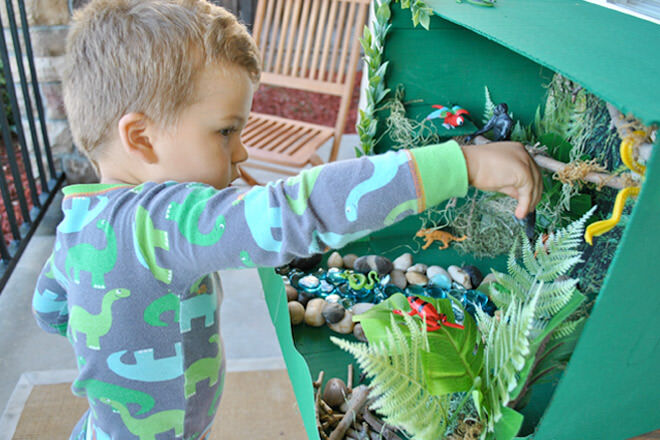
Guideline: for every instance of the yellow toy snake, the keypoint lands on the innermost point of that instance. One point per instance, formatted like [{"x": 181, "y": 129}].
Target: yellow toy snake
[{"x": 627, "y": 146}]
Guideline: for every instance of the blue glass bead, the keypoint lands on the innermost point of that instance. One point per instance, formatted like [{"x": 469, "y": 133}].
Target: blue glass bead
[
  {"x": 436, "y": 292},
  {"x": 294, "y": 277},
  {"x": 459, "y": 316},
  {"x": 415, "y": 290},
  {"x": 364, "y": 295},
  {"x": 391, "y": 289},
  {"x": 441, "y": 281},
  {"x": 347, "y": 302},
  {"x": 325, "y": 288},
  {"x": 335, "y": 276}
]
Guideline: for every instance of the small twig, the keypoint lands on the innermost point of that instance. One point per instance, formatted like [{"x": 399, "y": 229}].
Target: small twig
[
  {"x": 349, "y": 381},
  {"x": 358, "y": 399},
  {"x": 378, "y": 425}
]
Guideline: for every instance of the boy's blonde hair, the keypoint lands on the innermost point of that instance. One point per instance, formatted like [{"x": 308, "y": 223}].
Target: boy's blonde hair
[{"x": 143, "y": 56}]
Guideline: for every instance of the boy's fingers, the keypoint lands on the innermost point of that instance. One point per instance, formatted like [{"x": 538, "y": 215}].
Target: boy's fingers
[{"x": 524, "y": 201}]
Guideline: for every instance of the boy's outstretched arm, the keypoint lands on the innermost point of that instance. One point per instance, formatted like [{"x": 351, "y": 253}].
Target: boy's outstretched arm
[
  {"x": 200, "y": 230},
  {"x": 49, "y": 305}
]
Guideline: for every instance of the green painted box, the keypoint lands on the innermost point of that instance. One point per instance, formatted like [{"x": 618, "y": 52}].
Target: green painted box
[{"x": 611, "y": 388}]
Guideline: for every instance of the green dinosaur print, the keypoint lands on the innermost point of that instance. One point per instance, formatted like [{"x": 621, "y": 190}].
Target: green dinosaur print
[
  {"x": 246, "y": 260},
  {"x": 187, "y": 216},
  {"x": 148, "y": 427},
  {"x": 94, "y": 326},
  {"x": 410, "y": 205},
  {"x": 146, "y": 239},
  {"x": 96, "y": 389},
  {"x": 305, "y": 181},
  {"x": 216, "y": 396},
  {"x": 153, "y": 311},
  {"x": 202, "y": 369},
  {"x": 85, "y": 257}
]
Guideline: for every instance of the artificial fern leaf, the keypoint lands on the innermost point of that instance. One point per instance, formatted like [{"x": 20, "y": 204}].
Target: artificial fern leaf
[
  {"x": 566, "y": 328},
  {"x": 398, "y": 381},
  {"x": 489, "y": 108}
]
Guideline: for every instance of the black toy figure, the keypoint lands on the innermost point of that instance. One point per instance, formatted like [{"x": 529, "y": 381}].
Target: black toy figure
[{"x": 501, "y": 124}]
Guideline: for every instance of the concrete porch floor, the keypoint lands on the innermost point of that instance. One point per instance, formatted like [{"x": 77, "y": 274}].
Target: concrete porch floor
[{"x": 24, "y": 347}]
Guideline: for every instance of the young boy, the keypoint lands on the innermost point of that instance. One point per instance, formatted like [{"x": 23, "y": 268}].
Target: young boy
[{"x": 157, "y": 93}]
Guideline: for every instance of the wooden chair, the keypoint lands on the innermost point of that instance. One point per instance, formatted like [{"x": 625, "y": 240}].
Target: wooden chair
[{"x": 310, "y": 45}]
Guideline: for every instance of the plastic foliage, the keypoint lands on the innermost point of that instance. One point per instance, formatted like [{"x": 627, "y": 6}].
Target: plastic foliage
[
  {"x": 373, "y": 43},
  {"x": 535, "y": 301},
  {"x": 447, "y": 363},
  {"x": 398, "y": 383}
]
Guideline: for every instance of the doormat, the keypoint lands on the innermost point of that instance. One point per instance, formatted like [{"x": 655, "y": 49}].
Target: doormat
[{"x": 256, "y": 404}]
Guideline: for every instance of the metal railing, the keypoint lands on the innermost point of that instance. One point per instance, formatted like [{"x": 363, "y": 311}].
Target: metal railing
[{"x": 25, "y": 197}]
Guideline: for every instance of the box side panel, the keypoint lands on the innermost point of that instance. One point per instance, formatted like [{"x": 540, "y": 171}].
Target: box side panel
[{"x": 611, "y": 389}]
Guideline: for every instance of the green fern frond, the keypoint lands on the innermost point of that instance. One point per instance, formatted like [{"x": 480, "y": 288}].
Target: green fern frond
[
  {"x": 489, "y": 108},
  {"x": 566, "y": 328},
  {"x": 397, "y": 380}
]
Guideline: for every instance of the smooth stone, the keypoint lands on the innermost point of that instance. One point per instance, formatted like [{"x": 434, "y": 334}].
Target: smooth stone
[
  {"x": 460, "y": 276},
  {"x": 484, "y": 287},
  {"x": 441, "y": 280},
  {"x": 296, "y": 312},
  {"x": 335, "y": 260},
  {"x": 313, "y": 312},
  {"x": 306, "y": 263},
  {"x": 333, "y": 312},
  {"x": 432, "y": 271},
  {"x": 335, "y": 392},
  {"x": 398, "y": 278},
  {"x": 333, "y": 298},
  {"x": 349, "y": 260},
  {"x": 304, "y": 297},
  {"x": 403, "y": 262},
  {"x": 360, "y": 308},
  {"x": 475, "y": 274},
  {"x": 291, "y": 292},
  {"x": 367, "y": 263},
  {"x": 419, "y": 267},
  {"x": 416, "y": 278},
  {"x": 358, "y": 332},
  {"x": 345, "y": 326}
]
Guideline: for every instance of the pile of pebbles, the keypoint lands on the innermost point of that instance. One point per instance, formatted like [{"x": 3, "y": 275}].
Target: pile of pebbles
[
  {"x": 408, "y": 277},
  {"x": 342, "y": 412}
]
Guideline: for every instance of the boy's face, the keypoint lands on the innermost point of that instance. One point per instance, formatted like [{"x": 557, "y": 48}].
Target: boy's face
[{"x": 205, "y": 145}]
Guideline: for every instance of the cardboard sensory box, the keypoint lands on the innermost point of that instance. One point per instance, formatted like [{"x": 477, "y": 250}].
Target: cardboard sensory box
[{"x": 611, "y": 388}]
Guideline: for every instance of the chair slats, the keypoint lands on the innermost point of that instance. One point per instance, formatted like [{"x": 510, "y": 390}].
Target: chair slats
[
  {"x": 259, "y": 133},
  {"x": 283, "y": 36},
  {"x": 299, "y": 136},
  {"x": 341, "y": 22},
  {"x": 296, "y": 23},
  {"x": 302, "y": 84},
  {"x": 290, "y": 132},
  {"x": 265, "y": 34},
  {"x": 319, "y": 38},
  {"x": 349, "y": 34},
  {"x": 309, "y": 39},
  {"x": 274, "y": 39},
  {"x": 300, "y": 40},
  {"x": 330, "y": 22}
]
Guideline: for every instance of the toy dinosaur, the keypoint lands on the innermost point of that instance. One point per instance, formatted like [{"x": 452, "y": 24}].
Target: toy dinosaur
[{"x": 431, "y": 235}]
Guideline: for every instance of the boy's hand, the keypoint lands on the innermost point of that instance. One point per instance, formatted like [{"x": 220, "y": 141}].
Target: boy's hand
[{"x": 505, "y": 167}]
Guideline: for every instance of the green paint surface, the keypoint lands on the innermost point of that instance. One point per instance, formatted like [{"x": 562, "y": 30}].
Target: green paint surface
[{"x": 610, "y": 389}]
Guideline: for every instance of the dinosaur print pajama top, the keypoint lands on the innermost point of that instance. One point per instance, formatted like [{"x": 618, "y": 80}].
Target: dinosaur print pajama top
[{"x": 132, "y": 279}]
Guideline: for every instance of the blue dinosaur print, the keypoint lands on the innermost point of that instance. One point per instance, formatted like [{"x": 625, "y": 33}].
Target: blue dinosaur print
[
  {"x": 333, "y": 240},
  {"x": 383, "y": 174},
  {"x": 254, "y": 201},
  {"x": 99, "y": 434},
  {"x": 198, "y": 306},
  {"x": 79, "y": 215},
  {"x": 59, "y": 276},
  {"x": 47, "y": 302},
  {"x": 146, "y": 368}
]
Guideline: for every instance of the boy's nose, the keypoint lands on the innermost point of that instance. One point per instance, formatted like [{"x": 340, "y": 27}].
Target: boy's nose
[{"x": 240, "y": 153}]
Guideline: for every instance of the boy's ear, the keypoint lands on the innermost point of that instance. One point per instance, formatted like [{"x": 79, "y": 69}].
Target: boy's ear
[{"x": 134, "y": 137}]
